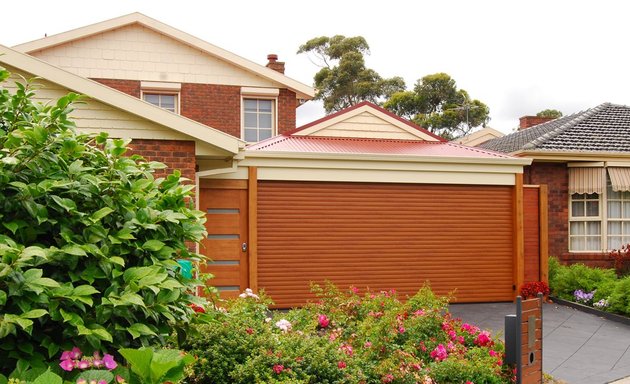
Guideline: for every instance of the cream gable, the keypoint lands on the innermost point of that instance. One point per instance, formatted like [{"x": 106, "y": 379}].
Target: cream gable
[
  {"x": 93, "y": 116},
  {"x": 135, "y": 52},
  {"x": 364, "y": 122}
]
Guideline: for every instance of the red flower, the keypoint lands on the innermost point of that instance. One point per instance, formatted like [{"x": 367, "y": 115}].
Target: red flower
[
  {"x": 323, "y": 321},
  {"x": 341, "y": 364},
  {"x": 278, "y": 368},
  {"x": 531, "y": 290},
  {"x": 249, "y": 331},
  {"x": 197, "y": 308}
]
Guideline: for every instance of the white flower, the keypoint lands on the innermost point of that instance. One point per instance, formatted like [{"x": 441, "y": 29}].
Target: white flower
[
  {"x": 284, "y": 325},
  {"x": 249, "y": 293}
]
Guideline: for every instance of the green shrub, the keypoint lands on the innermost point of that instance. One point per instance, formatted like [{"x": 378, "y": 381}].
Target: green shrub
[
  {"x": 88, "y": 239},
  {"x": 568, "y": 279},
  {"x": 344, "y": 337},
  {"x": 619, "y": 299},
  {"x": 553, "y": 267}
]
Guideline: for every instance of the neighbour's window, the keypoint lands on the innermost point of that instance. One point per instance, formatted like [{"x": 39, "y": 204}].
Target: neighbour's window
[
  {"x": 167, "y": 101},
  {"x": 585, "y": 230},
  {"x": 258, "y": 119},
  {"x": 618, "y": 217}
]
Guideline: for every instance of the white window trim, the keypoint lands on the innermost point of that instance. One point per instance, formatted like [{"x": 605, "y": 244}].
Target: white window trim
[
  {"x": 274, "y": 129},
  {"x": 602, "y": 218},
  {"x": 162, "y": 88}
]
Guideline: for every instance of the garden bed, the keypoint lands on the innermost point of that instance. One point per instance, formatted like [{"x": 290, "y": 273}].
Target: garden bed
[{"x": 594, "y": 311}]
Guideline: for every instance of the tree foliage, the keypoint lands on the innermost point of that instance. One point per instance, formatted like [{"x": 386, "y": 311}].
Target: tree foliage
[
  {"x": 88, "y": 239},
  {"x": 344, "y": 80},
  {"x": 553, "y": 113},
  {"x": 438, "y": 105}
]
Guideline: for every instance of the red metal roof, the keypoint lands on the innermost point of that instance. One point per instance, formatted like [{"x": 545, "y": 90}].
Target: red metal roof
[{"x": 351, "y": 145}]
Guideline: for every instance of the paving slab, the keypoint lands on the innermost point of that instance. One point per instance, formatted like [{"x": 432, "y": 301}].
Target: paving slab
[{"x": 578, "y": 347}]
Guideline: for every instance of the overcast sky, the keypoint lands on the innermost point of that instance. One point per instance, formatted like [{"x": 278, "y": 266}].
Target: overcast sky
[{"x": 518, "y": 57}]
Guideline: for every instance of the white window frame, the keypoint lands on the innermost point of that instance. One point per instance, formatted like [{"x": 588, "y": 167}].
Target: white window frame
[
  {"x": 602, "y": 219},
  {"x": 250, "y": 93},
  {"x": 162, "y": 88},
  {"x": 584, "y": 219}
]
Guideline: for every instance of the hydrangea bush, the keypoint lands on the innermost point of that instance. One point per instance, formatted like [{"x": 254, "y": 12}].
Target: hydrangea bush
[{"x": 345, "y": 337}]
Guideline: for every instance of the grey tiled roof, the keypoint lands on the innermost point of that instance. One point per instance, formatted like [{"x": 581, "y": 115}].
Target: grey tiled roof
[{"x": 605, "y": 128}]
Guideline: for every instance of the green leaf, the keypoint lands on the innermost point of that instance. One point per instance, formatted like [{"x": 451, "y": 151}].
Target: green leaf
[
  {"x": 45, "y": 282},
  {"x": 97, "y": 375},
  {"x": 10, "y": 160},
  {"x": 153, "y": 245},
  {"x": 132, "y": 298},
  {"x": 33, "y": 274},
  {"x": 73, "y": 249},
  {"x": 84, "y": 290},
  {"x": 34, "y": 251},
  {"x": 25, "y": 324},
  {"x": 71, "y": 317},
  {"x": 139, "y": 360},
  {"x": 34, "y": 314},
  {"x": 117, "y": 260},
  {"x": 98, "y": 215},
  {"x": 67, "y": 204},
  {"x": 3, "y": 297},
  {"x": 139, "y": 329},
  {"x": 125, "y": 234},
  {"x": 102, "y": 334},
  {"x": 165, "y": 362},
  {"x": 12, "y": 226},
  {"x": 48, "y": 378}
]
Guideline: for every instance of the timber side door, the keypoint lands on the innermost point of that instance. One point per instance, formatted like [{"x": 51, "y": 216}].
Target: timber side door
[{"x": 225, "y": 205}]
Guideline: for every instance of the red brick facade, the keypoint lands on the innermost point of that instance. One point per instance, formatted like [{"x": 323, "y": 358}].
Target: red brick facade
[
  {"x": 556, "y": 177},
  {"x": 218, "y": 106},
  {"x": 176, "y": 154}
]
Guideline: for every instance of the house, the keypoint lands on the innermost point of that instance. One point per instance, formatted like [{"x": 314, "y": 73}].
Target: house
[
  {"x": 478, "y": 137},
  {"x": 361, "y": 197},
  {"x": 145, "y": 58},
  {"x": 584, "y": 159}
]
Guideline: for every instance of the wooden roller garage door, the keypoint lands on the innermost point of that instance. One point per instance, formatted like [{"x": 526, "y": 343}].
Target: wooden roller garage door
[{"x": 383, "y": 236}]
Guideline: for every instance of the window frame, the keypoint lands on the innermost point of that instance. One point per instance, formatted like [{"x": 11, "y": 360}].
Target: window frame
[
  {"x": 584, "y": 219},
  {"x": 176, "y": 95},
  {"x": 274, "y": 114}
]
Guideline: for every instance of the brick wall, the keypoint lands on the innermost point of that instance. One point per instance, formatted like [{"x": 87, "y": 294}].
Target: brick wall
[
  {"x": 176, "y": 154},
  {"x": 218, "y": 106},
  {"x": 130, "y": 87},
  {"x": 556, "y": 177}
]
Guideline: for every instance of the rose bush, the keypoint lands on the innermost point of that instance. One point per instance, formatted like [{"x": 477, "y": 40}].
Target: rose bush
[{"x": 344, "y": 337}]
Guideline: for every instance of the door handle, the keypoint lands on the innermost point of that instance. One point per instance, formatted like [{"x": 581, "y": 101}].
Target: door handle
[{"x": 244, "y": 247}]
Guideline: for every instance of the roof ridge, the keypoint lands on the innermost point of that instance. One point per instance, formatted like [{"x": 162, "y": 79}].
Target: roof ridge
[
  {"x": 363, "y": 139},
  {"x": 581, "y": 116},
  {"x": 478, "y": 149}
]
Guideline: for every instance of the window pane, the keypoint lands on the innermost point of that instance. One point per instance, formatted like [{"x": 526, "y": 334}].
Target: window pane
[
  {"x": 577, "y": 228},
  {"x": 592, "y": 208},
  {"x": 626, "y": 209},
  {"x": 577, "y": 209},
  {"x": 578, "y": 196},
  {"x": 614, "y": 209},
  {"x": 264, "y": 134},
  {"x": 614, "y": 228},
  {"x": 251, "y": 135},
  {"x": 613, "y": 195},
  {"x": 592, "y": 196},
  {"x": 593, "y": 228},
  {"x": 168, "y": 101},
  {"x": 264, "y": 121},
  {"x": 264, "y": 105},
  {"x": 250, "y": 120},
  {"x": 593, "y": 243},
  {"x": 614, "y": 242},
  {"x": 576, "y": 243},
  {"x": 250, "y": 105},
  {"x": 153, "y": 99}
]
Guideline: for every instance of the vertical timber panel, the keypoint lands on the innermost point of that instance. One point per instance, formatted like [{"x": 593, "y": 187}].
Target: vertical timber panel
[
  {"x": 253, "y": 227},
  {"x": 544, "y": 234},
  {"x": 519, "y": 244},
  {"x": 531, "y": 232}
]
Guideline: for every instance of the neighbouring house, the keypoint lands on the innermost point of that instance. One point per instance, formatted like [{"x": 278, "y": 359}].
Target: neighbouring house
[
  {"x": 478, "y": 137},
  {"x": 361, "y": 197},
  {"x": 584, "y": 159}
]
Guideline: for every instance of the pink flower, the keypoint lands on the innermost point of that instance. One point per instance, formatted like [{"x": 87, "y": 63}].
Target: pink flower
[
  {"x": 109, "y": 362},
  {"x": 401, "y": 329},
  {"x": 354, "y": 290},
  {"x": 439, "y": 353},
  {"x": 347, "y": 348},
  {"x": 341, "y": 364},
  {"x": 83, "y": 364},
  {"x": 120, "y": 380},
  {"x": 493, "y": 353},
  {"x": 323, "y": 321},
  {"x": 67, "y": 365},
  {"x": 452, "y": 335},
  {"x": 387, "y": 378},
  {"x": 278, "y": 369},
  {"x": 416, "y": 366},
  {"x": 483, "y": 339},
  {"x": 471, "y": 329},
  {"x": 284, "y": 325},
  {"x": 367, "y": 344},
  {"x": 469, "y": 382},
  {"x": 419, "y": 312},
  {"x": 81, "y": 381}
]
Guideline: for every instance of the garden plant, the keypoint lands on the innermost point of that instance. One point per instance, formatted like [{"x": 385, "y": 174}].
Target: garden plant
[{"x": 89, "y": 238}]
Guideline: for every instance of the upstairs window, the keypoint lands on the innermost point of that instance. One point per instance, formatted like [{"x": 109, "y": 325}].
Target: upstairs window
[
  {"x": 166, "y": 101},
  {"x": 258, "y": 119}
]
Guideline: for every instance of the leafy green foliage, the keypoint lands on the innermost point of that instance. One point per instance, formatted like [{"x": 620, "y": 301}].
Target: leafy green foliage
[
  {"x": 553, "y": 113},
  {"x": 565, "y": 280},
  {"x": 344, "y": 337},
  {"x": 438, "y": 105},
  {"x": 150, "y": 366},
  {"x": 89, "y": 237},
  {"x": 344, "y": 80},
  {"x": 619, "y": 299}
]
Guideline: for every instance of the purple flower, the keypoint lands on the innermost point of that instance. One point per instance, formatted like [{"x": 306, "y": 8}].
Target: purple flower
[
  {"x": 67, "y": 365},
  {"x": 581, "y": 296},
  {"x": 109, "y": 362}
]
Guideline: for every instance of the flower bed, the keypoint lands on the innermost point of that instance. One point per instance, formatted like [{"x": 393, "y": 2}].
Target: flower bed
[{"x": 345, "y": 337}]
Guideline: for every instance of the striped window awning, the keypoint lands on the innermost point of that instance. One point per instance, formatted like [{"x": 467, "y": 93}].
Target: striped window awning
[
  {"x": 619, "y": 178},
  {"x": 587, "y": 180}
]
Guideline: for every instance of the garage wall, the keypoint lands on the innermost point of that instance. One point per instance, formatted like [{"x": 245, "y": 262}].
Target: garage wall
[{"x": 385, "y": 236}]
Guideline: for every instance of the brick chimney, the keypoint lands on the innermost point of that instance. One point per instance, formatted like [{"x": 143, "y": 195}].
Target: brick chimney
[
  {"x": 274, "y": 64},
  {"x": 530, "y": 121}
]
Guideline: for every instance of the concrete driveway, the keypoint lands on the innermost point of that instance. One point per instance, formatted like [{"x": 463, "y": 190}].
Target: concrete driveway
[{"x": 578, "y": 347}]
